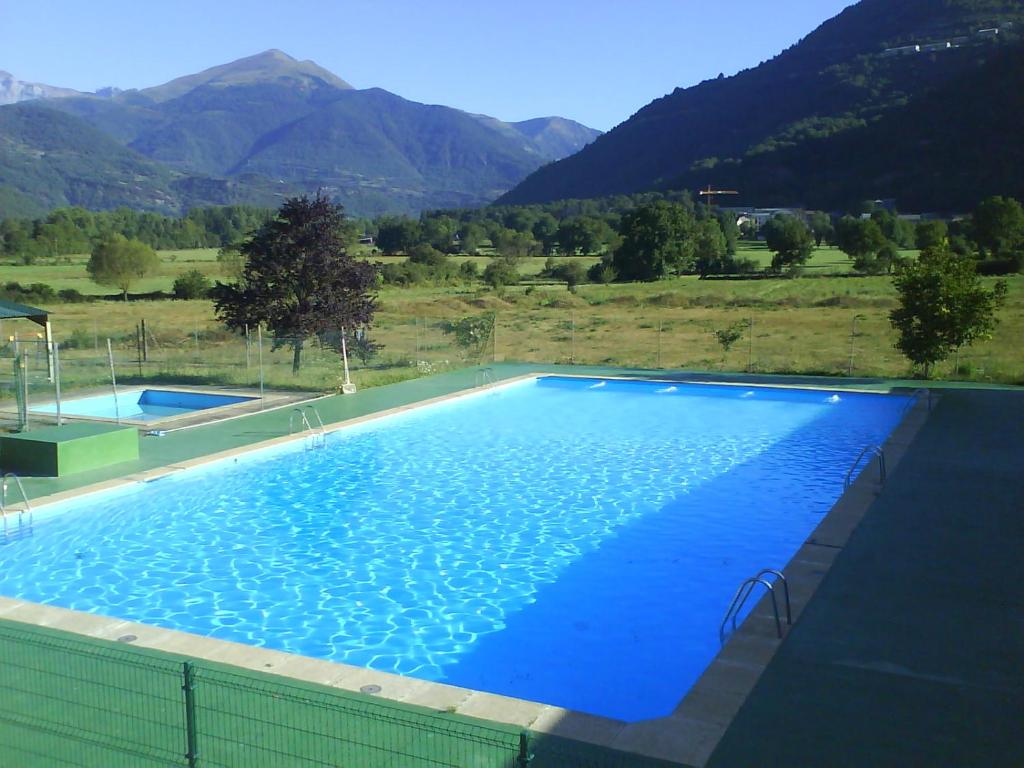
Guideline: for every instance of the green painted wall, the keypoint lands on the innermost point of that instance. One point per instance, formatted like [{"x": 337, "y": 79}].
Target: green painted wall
[{"x": 73, "y": 448}]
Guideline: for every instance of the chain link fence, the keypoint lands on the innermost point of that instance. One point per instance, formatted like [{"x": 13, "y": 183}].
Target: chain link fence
[
  {"x": 68, "y": 700},
  {"x": 619, "y": 332}
]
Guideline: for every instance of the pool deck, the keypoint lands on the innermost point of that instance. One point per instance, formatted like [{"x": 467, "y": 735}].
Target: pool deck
[{"x": 908, "y": 652}]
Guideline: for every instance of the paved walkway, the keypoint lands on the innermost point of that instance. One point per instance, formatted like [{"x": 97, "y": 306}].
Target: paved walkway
[{"x": 912, "y": 651}]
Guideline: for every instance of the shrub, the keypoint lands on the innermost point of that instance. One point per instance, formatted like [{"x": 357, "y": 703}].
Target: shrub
[
  {"x": 990, "y": 267},
  {"x": 501, "y": 272},
  {"x": 602, "y": 272},
  {"x": 468, "y": 270},
  {"x": 192, "y": 285},
  {"x": 426, "y": 255},
  {"x": 72, "y": 296}
]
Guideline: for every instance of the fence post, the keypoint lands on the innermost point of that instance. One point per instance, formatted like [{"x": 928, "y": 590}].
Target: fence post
[
  {"x": 259, "y": 349},
  {"x": 659, "y": 345},
  {"x": 56, "y": 381},
  {"x": 524, "y": 757},
  {"x": 188, "y": 686},
  {"x": 750, "y": 348},
  {"x": 113, "y": 381},
  {"x": 138, "y": 346},
  {"x": 572, "y": 337}
]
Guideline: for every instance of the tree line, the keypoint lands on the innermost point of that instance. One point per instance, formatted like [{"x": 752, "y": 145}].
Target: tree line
[{"x": 67, "y": 231}]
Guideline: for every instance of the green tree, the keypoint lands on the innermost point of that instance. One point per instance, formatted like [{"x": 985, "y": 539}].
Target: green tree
[
  {"x": 999, "y": 227},
  {"x": 790, "y": 240},
  {"x": 545, "y": 231},
  {"x": 428, "y": 256},
  {"x": 502, "y": 271},
  {"x": 118, "y": 262},
  {"x": 709, "y": 250},
  {"x": 513, "y": 245},
  {"x": 730, "y": 230},
  {"x": 657, "y": 240},
  {"x": 930, "y": 234},
  {"x": 896, "y": 230},
  {"x": 398, "y": 235},
  {"x": 572, "y": 272},
  {"x": 471, "y": 237},
  {"x": 861, "y": 240},
  {"x": 191, "y": 285},
  {"x": 821, "y": 227},
  {"x": 439, "y": 232},
  {"x": 943, "y": 306},
  {"x": 299, "y": 278}
]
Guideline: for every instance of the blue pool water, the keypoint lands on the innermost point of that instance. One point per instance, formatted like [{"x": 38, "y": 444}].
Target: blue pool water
[
  {"x": 568, "y": 541},
  {"x": 142, "y": 404}
]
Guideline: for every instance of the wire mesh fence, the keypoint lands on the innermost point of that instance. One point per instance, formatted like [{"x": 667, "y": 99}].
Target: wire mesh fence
[
  {"x": 660, "y": 334},
  {"x": 69, "y": 700}
]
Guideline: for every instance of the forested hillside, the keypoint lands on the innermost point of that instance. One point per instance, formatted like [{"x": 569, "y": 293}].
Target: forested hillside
[{"x": 840, "y": 79}]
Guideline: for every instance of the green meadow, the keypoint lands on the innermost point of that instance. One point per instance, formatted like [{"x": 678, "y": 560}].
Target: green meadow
[{"x": 826, "y": 322}]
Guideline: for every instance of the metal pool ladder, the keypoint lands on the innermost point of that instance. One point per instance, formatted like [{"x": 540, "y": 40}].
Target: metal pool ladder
[
  {"x": 316, "y": 437},
  {"x": 484, "y": 376},
  {"x": 22, "y": 529},
  {"x": 873, "y": 449},
  {"x": 743, "y": 593}
]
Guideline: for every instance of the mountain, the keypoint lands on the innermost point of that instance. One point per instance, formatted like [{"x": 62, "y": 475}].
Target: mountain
[
  {"x": 13, "y": 90},
  {"x": 49, "y": 159},
  {"x": 269, "y": 123},
  {"x": 841, "y": 79},
  {"x": 271, "y": 66}
]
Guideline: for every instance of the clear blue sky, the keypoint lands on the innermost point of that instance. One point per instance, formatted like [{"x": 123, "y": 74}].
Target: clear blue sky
[{"x": 595, "y": 61}]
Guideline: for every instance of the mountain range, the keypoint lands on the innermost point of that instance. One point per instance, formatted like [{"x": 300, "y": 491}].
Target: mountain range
[
  {"x": 253, "y": 131},
  {"x": 917, "y": 100}
]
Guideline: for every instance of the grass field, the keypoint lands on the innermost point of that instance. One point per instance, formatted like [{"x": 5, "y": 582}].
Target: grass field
[{"x": 807, "y": 325}]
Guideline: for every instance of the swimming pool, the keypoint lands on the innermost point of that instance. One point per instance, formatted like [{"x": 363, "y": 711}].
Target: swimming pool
[
  {"x": 562, "y": 540},
  {"x": 142, "y": 404}
]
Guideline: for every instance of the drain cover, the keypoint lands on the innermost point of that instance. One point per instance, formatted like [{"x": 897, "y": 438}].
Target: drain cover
[
  {"x": 127, "y": 639},
  {"x": 370, "y": 689}
]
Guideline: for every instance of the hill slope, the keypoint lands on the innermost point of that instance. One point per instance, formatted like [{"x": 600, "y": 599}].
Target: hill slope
[{"x": 839, "y": 78}]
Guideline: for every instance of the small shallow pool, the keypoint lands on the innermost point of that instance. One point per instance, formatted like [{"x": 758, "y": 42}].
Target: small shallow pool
[
  {"x": 569, "y": 541},
  {"x": 142, "y": 404}
]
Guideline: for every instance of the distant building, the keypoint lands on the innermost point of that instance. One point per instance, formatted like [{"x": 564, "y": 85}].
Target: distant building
[
  {"x": 903, "y": 50},
  {"x": 931, "y": 47},
  {"x": 761, "y": 216},
  {"x": 991, "y": 32}
]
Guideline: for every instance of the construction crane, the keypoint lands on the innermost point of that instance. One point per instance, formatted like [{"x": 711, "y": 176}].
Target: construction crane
[{"x": 710, "y": 193}]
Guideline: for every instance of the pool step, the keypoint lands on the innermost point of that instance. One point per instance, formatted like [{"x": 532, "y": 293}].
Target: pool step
[{"x": 19, "y": 530}]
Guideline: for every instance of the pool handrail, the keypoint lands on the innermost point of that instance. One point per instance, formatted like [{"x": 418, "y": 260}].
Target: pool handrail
[
  {"x": 743, "y": 593},
  {"x": 320, "y": 430},
  {"x": 877, "y": 451},
  {"x": 3, "y": 500},
  {"x": 307, "y": 430}
]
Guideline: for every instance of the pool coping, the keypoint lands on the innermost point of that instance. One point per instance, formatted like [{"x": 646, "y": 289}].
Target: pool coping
[{"x": 688, "y": 735}]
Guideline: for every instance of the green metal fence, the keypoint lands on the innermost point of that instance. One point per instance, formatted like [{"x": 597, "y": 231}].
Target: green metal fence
[{"x": 68, "y": 700}]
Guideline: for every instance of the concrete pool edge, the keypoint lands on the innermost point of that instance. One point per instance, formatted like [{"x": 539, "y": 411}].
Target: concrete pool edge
[
  {"x": 252, "y": 403},
  {"x": 688, "y": 735}
]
